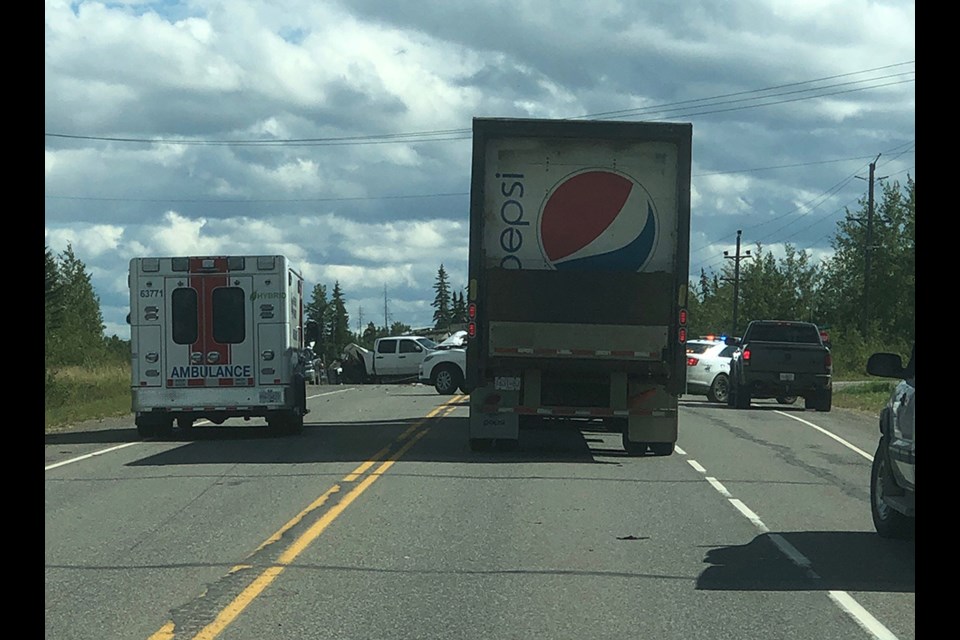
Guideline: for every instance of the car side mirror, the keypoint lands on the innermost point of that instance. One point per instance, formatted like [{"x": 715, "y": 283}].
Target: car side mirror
[{"x": 885, "y": 365}]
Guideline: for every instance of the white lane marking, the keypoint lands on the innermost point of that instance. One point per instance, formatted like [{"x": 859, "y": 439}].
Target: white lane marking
[
  {"x": 827, "y": 433},
  {"x": 791, "y": 552},
  {"x": 89, "y": 455},
  {"x": 751, "y": 516},
  {"x": 863, "y": 618},
  {"x": 130, "y": 444},
  {"x": 679, "y": 450},
  {"x": 719, "y": 487},
  {"x": 330, "y": 393}
]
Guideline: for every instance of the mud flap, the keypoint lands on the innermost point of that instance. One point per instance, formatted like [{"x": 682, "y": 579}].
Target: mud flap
[
  {"x": 489, "y": 424},
  {"x": 653, "y": 416}
]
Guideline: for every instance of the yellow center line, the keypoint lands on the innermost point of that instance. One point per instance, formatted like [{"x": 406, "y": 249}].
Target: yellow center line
[{"x": 262, "y": 581}]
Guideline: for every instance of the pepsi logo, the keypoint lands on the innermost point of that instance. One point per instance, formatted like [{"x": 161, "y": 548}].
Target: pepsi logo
[{"x": 598, "y": 219}]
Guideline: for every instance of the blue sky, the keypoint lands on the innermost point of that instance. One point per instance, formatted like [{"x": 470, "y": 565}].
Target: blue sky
[{"x": 338, "y": 133}]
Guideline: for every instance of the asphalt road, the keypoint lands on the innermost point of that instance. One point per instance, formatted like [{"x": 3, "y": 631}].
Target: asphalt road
[{"x": 379, "y": 522}]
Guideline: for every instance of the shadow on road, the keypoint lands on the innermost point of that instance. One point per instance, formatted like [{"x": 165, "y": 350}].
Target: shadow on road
[
  {"x": 839, "y": 560},
  {"x": 444, "y": 440}
]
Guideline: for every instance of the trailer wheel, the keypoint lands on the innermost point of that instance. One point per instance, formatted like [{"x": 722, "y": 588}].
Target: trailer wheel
[
  {"x": 481, "y": 444},
  {"x": 184, "y": 422},
  {"x": 661, "y": 448},
  {"x": 634, "y": 448}
]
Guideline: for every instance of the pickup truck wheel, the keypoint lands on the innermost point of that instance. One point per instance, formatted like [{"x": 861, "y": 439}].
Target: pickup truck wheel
[
  {"x": 720, "y": 389},
  {"x": 888, "y": 522},
  {"x": 786, "y": 399},
  {"x": 742, "y": 397},
  {"x": 824, "y": 400},
  {"x": 446, "y": 379}
]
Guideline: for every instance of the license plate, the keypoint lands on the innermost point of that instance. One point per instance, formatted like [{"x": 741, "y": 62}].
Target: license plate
[
  {"x": 507, "y": 383},
  {"x": 269, "y": 396},
  {"x": 786, "y": 377}
]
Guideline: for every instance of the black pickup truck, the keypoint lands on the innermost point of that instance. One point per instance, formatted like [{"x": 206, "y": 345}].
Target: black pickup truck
[{"x": 781, "y": 359}]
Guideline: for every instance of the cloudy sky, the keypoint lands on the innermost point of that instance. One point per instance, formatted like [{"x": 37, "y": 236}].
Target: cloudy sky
[{"x": 337, "y": 132}]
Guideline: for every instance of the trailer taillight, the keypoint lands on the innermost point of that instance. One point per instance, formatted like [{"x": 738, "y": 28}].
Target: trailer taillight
[
  {"x": 683, "y": 316},
  {"x": 472, "y": 320},
  {"x": 682, "y": 321},
  {"x": 682, "y": 335}
]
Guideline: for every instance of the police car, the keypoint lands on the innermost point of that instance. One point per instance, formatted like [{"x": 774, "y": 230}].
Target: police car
[{"x": 708, "y": 367}]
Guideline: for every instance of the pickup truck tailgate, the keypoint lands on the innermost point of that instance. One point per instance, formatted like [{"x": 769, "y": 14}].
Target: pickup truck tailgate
[{"x": 786, "y": 356}]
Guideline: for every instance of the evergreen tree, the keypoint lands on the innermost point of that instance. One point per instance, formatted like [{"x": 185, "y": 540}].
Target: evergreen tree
[
  {"x": 339, "y": 323},
  {"x": 52, "y": 302},
  {"x": 318, "y": 311},
  {"x": 78, "y": 340},
  {"x": 890, "y": 307},
  {"x": 441, "y": 302},
  {"x": 399, "y": 329},
  {"x": 369, "y": 335},
  {"x": 458, "y": 308}
]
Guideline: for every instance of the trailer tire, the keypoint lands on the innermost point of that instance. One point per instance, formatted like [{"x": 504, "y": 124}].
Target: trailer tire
[
  {"x": 661, "y": 448},
  {"x": 184, "y": 422},
  {"x": 481, "y": 444},
  {"x": 634, "y": 448}
]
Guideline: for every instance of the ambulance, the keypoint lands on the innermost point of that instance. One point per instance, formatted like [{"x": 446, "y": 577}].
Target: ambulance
[{"x": 216, "y": 337}]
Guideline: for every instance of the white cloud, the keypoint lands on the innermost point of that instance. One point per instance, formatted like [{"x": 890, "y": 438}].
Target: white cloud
[{"x": 128, "y": 79}]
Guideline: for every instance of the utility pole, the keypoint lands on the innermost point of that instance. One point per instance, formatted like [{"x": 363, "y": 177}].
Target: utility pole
[
  {"x": 386, "y": 326},
  {"x": 868, "y": 250},
  {"x": 736, "y": 277},
  {"x": 359, "y": 320}
]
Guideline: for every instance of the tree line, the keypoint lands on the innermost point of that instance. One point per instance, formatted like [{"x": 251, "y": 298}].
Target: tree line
[
  {"x": 863, "y": 309},
  {"x": 328, "y": 321}
]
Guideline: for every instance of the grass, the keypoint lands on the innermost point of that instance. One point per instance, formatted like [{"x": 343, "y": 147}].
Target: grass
[
  {"x": 75, "y": 394},
  {"x": 868, "y": 397}
]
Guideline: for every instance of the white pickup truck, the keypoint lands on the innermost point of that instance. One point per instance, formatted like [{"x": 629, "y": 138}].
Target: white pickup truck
[
  {"x": 393, "y": 359},
  {"x": 445, "y": 367}
]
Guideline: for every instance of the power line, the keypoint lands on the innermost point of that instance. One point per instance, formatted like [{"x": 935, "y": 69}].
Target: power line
[{"x": 459, "y": 134}]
